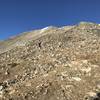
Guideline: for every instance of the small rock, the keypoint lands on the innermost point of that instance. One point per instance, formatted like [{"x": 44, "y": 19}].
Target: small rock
[
  {"x": 86, "y": 69},
  {"x": 92, "y": 94},
  {"x": 1, "y": 94},
  {"x": 1, "y": 87},
  {"x": 12, "y": 92},
  {"x": 76, "y": 78}
]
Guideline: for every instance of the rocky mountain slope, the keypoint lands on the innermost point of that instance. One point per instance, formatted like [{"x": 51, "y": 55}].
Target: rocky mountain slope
[{"x": 52, "y": 64}]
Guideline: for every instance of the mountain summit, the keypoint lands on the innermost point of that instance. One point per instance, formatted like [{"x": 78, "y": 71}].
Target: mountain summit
[{"x": 53, "y": 63}]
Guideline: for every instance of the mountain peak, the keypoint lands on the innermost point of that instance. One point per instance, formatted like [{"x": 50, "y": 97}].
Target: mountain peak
[{"x": 84, "y": 22}]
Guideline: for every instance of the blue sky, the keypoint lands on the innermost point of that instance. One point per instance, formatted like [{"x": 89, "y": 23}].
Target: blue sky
[{"x": 18, "y": 16}]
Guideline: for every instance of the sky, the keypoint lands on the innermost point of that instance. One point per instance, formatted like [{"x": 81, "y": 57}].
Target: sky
[{"x": 17, "y": 16}]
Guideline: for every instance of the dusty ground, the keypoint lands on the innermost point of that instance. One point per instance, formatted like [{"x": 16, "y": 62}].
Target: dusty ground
[{"x": 52, "y": 64}]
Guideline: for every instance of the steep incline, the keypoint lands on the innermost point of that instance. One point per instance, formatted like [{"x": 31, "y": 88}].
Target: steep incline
[{"x": 52, "y": 64}]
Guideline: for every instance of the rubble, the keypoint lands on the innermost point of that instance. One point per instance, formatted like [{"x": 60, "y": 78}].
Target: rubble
[{"x": 52, "y": 64}]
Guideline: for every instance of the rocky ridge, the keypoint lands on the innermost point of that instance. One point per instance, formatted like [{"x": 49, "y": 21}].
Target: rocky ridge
[{"x": 52, "y": 64}]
